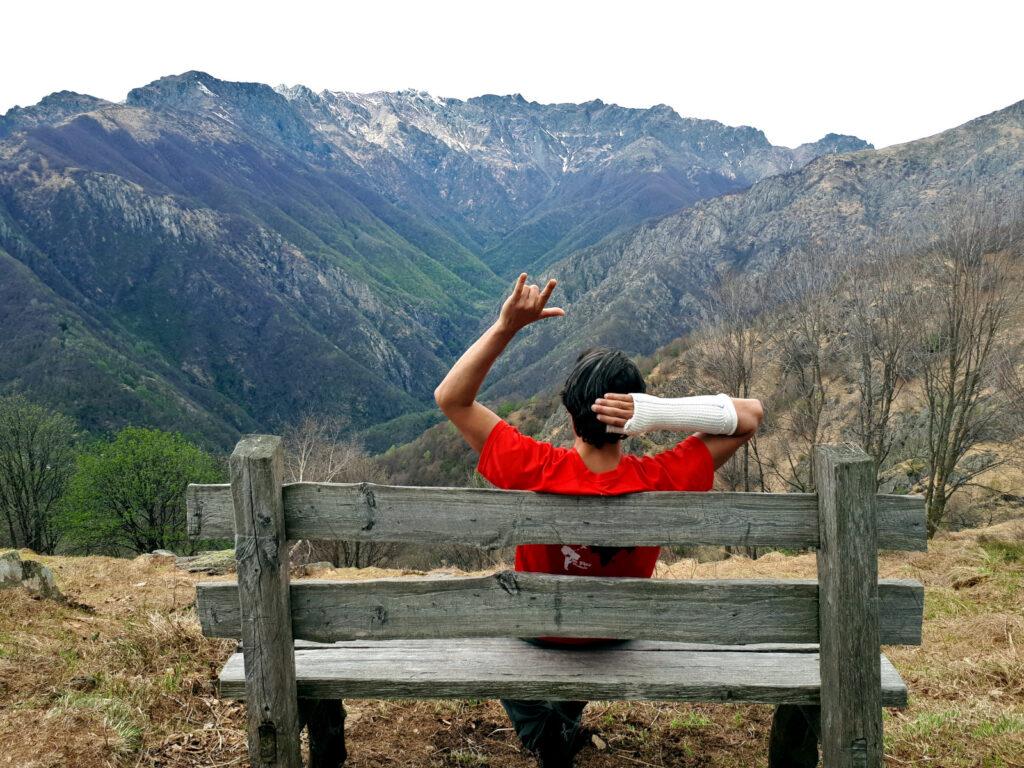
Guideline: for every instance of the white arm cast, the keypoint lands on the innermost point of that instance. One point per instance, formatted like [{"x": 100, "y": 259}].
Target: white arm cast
[{"x": 713, "y": 414}]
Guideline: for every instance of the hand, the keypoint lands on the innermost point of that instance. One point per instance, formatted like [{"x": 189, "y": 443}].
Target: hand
[
  {"x": 614, "y": 409},
  {"x": 526, "y": 305}
]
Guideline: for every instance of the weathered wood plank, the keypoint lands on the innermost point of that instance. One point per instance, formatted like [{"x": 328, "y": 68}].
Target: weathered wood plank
[
  {"x": 506, "y": 667},
  {"x": 471, "y": 643},
  {"x": 262, "y": 602},
  {"x": 530, "y": 604},
  {"x": 492, "y": 518},
  {"x": 851, "y": 700}
]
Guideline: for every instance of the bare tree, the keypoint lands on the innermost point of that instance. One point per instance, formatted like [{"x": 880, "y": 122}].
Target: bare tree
[
  {"x": 728, "y": 346},
  {"x": 36, "y": 462},
  {"x": 1010, "y": 366},
  {"x": 882, "y": 333},
  {"x": 803, "y": 337},
  {"x": 970, "y": 300},
  {"x": 316, "y": 451}
]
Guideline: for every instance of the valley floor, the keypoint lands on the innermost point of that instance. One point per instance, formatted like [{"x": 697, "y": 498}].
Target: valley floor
[{"x": 122, "y": 677}]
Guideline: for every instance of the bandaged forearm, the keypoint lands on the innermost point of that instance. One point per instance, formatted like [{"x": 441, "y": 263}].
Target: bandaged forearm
[{"x": 713, "y": 414}]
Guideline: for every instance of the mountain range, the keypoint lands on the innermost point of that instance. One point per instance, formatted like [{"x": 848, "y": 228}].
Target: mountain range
[
  {"x": 640, "y": 289},
  {"x": 219, "y": 257}
]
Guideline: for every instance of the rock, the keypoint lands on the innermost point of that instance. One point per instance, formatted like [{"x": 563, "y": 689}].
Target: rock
[
  {"x": 310, "y": 568},
  {"x": 212, "y": 562},
  {"x": 83, "y": 683},
  {"x": 158, "y": 557},
  {"x": 28, "y": 574},
  {"x": 306, "y": 551},
  {"x": 38, "y": 579},
  {"x": 10, "y": 569}
]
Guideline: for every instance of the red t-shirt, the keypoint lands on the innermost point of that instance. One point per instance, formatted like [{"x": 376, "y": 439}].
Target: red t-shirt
[{"x": 513, "y": 461}]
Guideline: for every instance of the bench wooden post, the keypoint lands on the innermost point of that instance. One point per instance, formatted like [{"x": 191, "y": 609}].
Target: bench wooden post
[
  {"x": 257, "y": 471},
  {"x": 851, "y": 708}
]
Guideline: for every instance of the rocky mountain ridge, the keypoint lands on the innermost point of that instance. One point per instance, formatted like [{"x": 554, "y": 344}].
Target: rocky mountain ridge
[
  {"x": 638, "y": 290},
  {"x": 219, "y": 257}
]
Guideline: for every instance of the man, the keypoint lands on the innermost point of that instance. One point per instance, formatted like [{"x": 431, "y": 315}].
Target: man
[{"x": 606, "y": 400}]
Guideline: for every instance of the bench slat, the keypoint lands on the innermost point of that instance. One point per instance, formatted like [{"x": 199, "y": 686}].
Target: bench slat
[
  {"x": 511, "y": 604},
  {"x": 637, "y": 645},
  {"x": 506, "y": 667},
  {"x": 492, "y": 518}
]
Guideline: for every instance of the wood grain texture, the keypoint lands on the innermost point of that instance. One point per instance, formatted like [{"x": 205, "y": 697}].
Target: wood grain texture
[
  {"x": 511, "y": 604},
  {"x": 851, "y": 703},
  {"x": 492, "y": 519},
  {"x": 506, "y": 667},
  {"x": 262, "y": 601}
]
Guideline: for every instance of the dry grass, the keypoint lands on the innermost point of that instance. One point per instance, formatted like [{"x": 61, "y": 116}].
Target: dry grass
[{"x": 129, "y": 681}]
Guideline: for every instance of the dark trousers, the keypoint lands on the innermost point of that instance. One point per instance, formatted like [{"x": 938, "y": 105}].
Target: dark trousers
[
  {"x": 551, "y": 727},
  {"x": 546, "y": 727},
  {"x": 796, "y": 732}
]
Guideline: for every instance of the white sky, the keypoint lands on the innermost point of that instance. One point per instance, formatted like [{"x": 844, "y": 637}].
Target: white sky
[{"x": 886, "y": 71}]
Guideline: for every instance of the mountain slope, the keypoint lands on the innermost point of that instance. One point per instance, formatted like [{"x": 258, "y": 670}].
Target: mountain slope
[
  {"x": 232, "y": 256},
  {"x": 296, "y": 293},
  {"x": 640, "y": 289}
]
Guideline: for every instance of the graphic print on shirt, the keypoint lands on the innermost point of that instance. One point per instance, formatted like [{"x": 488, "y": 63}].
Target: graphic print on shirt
[{"x": 573, "y": 558}]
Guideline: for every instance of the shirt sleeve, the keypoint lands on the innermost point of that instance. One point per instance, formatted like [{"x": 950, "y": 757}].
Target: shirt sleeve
[
  {"x": 511, "y": 460},
  {"x": 687, "y": 467}
]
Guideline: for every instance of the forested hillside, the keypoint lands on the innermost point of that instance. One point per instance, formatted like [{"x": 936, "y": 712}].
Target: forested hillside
[
  {"x": 220, "y": 257},
  {"x": 911, "y": 348}
]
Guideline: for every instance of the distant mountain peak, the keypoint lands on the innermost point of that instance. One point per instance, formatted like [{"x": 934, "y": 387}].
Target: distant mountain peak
[{"x": 50, "y": 110}]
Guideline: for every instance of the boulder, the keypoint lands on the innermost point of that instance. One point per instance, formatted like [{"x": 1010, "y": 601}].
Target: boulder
[
  {"x": 310, "y": 568},
  {"x": 28, "y": 574},
  {"x": 158, "y": 557},
  {"x": 212, "y": 562},
  {"x": 10, "y": 569}
]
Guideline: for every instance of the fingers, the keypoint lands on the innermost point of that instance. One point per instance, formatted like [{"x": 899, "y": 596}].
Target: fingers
[
  {"x": 616, "y": 396},
  {"x": 612, "y": 421},
  {"x": 610, "y": 414},
  {"x": 618, "y": 413},
  {"x": 531, "y": 298},
  {"x": 546, "y": 293},
  {"x": 520, "y": 282}
]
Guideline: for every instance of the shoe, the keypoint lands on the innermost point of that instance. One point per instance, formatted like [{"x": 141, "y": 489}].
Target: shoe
[{"x": 582, "y": 740}]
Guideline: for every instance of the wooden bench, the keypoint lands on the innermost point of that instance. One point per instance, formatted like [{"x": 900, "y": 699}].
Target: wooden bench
[{"x": 308, "y": 644}]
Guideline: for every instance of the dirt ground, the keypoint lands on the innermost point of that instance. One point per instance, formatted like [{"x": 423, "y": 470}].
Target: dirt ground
[{"x": 121, "y": 676}]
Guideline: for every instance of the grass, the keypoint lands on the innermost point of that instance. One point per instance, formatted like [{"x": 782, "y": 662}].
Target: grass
[
  {"x": 130, "y": 680},
  {"x": 689, "y": 721}
]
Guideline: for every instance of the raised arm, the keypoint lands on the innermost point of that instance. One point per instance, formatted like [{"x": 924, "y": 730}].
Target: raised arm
[
  {"x": 689, "y": 414},
  {"x": 456, "y": 394}
]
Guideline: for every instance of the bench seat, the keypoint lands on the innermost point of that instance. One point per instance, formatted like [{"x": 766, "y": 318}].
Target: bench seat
[{"x": 484, "y": 668}]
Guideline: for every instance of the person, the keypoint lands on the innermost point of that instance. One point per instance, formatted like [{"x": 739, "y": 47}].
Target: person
[{"x": 605, "y": 395}]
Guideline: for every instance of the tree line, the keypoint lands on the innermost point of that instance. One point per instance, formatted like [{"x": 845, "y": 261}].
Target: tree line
[{"x": 60, "y": 491}]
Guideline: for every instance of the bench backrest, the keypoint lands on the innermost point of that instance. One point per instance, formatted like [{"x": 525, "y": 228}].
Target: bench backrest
[{"x": 262, "y": 513}]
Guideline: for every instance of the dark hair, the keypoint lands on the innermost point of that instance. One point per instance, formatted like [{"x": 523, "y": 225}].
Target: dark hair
[{"x": 598, "y": 371}]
